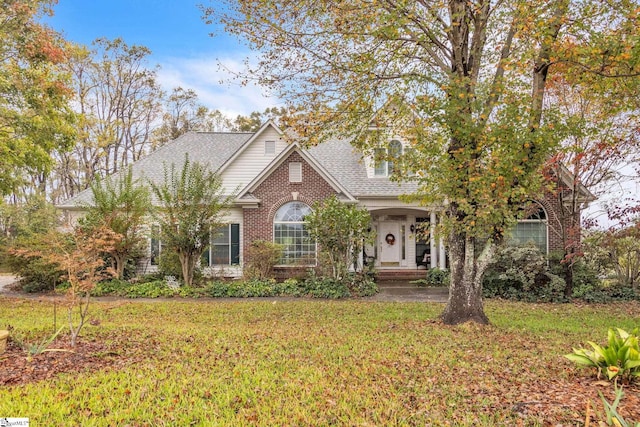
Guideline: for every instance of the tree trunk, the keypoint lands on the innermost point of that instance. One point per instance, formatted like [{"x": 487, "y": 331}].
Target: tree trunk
[{"x": 467, "y": 269}]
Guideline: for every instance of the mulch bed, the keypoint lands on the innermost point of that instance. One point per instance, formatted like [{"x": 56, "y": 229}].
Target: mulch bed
[{"x": 17, "y": 368}]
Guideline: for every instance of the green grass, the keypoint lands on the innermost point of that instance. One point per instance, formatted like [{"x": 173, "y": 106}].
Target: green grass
[{"x": 309, "y": 363}]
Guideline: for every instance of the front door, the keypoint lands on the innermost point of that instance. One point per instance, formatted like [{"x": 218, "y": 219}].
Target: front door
[{"x": 390, "y": 244}]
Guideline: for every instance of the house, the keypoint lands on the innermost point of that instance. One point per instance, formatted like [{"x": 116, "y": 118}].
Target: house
[{"x": 277, "y": 183}]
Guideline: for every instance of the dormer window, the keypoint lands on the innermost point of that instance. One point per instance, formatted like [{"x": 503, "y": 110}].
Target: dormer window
[{"x": 388, "y": 159}]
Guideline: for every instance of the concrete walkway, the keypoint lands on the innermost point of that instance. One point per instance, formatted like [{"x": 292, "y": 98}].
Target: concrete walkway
[{"x": 390, "y": 291}]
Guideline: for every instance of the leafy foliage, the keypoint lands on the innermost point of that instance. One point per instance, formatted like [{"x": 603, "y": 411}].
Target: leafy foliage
[
  {"x": 191, "y": 205},
  {"x": 35, "y": 116},
  {"x": 620, "y": 359},
  {"x": 341, "y": 231},
  {"x": 435, "y": 277},
  {"x": 462, "y": 83},
  {"x": 120, "y": 204},
  {"x": 522, "y": 273},
  {"x": 262, "y": 257},
  {"x": 27, "y": 227}
]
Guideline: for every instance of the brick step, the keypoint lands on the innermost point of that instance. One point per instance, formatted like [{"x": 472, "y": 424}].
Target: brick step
[{"x": 383, "y": 275}]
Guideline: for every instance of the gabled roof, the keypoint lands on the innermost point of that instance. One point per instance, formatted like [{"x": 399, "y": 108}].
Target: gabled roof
[
  {"x": 339, "y": 163},
  {"x": 318, "y": 167}
]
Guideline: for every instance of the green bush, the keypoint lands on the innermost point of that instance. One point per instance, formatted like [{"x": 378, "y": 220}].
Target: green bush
[
  {"x": 324, "y": 287},
  {"x": 356, "y": 285},
  {"x": 435, "y": 277},
  {"x": 36, "y": 275},
  {"x": 521, "y": 273},
  {"x": 361, "y": 285}
]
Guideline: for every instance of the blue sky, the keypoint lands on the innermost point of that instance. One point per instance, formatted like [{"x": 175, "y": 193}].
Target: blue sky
[{"x": 179, "y": 41}]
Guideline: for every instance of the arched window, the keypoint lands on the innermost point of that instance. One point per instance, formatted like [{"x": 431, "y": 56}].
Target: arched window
[
  {"x": 289, "y": 230},
  {"x": 532, "y": 229}
]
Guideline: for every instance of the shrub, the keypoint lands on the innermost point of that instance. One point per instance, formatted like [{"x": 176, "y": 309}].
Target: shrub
[
  {"x": 361, "y": 285},
  {"x": 435, "y": 277},
  {"x": 264, "y": 256},
  {"x": 325, "y": 287},
  {"x": 620, "y": 359},
  {"x": 36, "y": 273},
  {"x": 521, "y": 273}
]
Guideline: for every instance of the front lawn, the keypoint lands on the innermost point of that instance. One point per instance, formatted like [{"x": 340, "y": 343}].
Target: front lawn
[{"x": 207, "y": 363}]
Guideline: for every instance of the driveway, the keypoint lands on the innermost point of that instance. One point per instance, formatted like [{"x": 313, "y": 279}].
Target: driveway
[{"x": 6, "y": 280}]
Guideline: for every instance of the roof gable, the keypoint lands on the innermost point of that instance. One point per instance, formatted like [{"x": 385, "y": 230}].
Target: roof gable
[{"x": 281, "y": 158}]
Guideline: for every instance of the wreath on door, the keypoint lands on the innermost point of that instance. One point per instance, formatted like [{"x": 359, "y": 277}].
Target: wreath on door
[{"x": 390, "y": 239}]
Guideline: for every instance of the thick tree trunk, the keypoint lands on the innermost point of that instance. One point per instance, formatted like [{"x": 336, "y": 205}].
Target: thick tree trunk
[
  {"x": 187, "y": 262},
  {"x": 467, "y": 269}
]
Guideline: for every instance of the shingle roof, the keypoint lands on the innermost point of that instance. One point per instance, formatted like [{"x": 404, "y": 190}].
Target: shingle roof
[
  {"x": 210, "y": 148},
  {"x": 347, "y": 166},
  {"x": 342, "y": 161}
]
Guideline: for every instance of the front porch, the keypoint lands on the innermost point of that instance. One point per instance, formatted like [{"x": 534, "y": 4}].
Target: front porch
[{"x": 406, "y": 241}]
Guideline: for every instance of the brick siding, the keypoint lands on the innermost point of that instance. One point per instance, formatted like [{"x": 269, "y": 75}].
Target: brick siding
[{"x": 275, "y": 191}]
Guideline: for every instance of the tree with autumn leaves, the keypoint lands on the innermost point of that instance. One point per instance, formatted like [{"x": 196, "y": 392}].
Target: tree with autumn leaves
[
  {"x": 464, "y": 82},
  {"x": 35, "y": 117}
]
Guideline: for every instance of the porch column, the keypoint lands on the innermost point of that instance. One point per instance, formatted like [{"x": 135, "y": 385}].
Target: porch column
[
  {"x": 433, "y": 260},
  {"x": 442, "y": 260}
]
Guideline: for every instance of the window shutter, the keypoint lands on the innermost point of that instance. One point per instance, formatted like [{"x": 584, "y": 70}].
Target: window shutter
[{"x": 235, "y": 244}]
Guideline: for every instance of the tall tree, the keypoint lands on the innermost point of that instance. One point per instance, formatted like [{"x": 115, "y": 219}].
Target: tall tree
[
  {"x": 598, "y": 145},
  {"x": 118, "y": 98},
  {"x": 120, "y": 204},
  {"x": 191, "y": 204},
  {"x": 462, "y": 81},
  {"x": 35, "y": 118}
]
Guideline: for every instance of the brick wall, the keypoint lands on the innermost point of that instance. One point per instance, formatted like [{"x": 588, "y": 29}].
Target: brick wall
[
  {"x": 275, "y": 191},
  {"x": 556, "y": 221}
]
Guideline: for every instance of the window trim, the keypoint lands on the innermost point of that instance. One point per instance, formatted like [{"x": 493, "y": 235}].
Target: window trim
[
  {"x": 530, "y": 220},
  {"x": 276, "y": 222},
  {"x": 233, "y": 247}
]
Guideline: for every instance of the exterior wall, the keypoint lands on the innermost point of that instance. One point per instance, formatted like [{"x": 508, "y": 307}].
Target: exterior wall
[
  {"x": 556, "y": 223},
  {"x": 252, "y": 160},
  {"x": 275, "y": 191}
]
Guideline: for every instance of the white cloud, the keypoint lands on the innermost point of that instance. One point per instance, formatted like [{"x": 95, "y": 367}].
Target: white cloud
[{"x": 215, "y": 85}]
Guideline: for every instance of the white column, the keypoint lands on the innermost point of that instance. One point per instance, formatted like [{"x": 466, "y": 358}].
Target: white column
[
  {"x": 442, "y": 260},
  {"x": 433, "y": 262}
]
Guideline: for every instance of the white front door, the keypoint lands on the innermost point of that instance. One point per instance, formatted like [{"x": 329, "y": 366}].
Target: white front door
[{"x": 389, "y": 244}]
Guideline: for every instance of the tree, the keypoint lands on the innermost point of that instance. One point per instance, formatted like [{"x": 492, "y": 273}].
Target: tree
[
  {"x": 255, "y": 119},
  {"x": 341, "y": 230},
  {"x": 191, "y": 204},
  {"x": 120, "y": 204},
  {"x": 462, "y": 81},
  {"x": 598, "y": 144},
  {"x": 118, "y": 99},
  {"x": 79, "y": 256},
  {"x": 35, "y": 118}
]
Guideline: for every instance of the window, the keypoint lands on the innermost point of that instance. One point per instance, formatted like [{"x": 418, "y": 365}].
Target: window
[
  {"x": 388, "y": 161},
  {"x": 532, "y": 229},
  {"x": 224, "y": 246},
  {"x": 289, "y": 230},
  {"x": 155, "y": 246},
  {"x": 269, "y": 148},
  {"x": 295, "y": 172}
]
